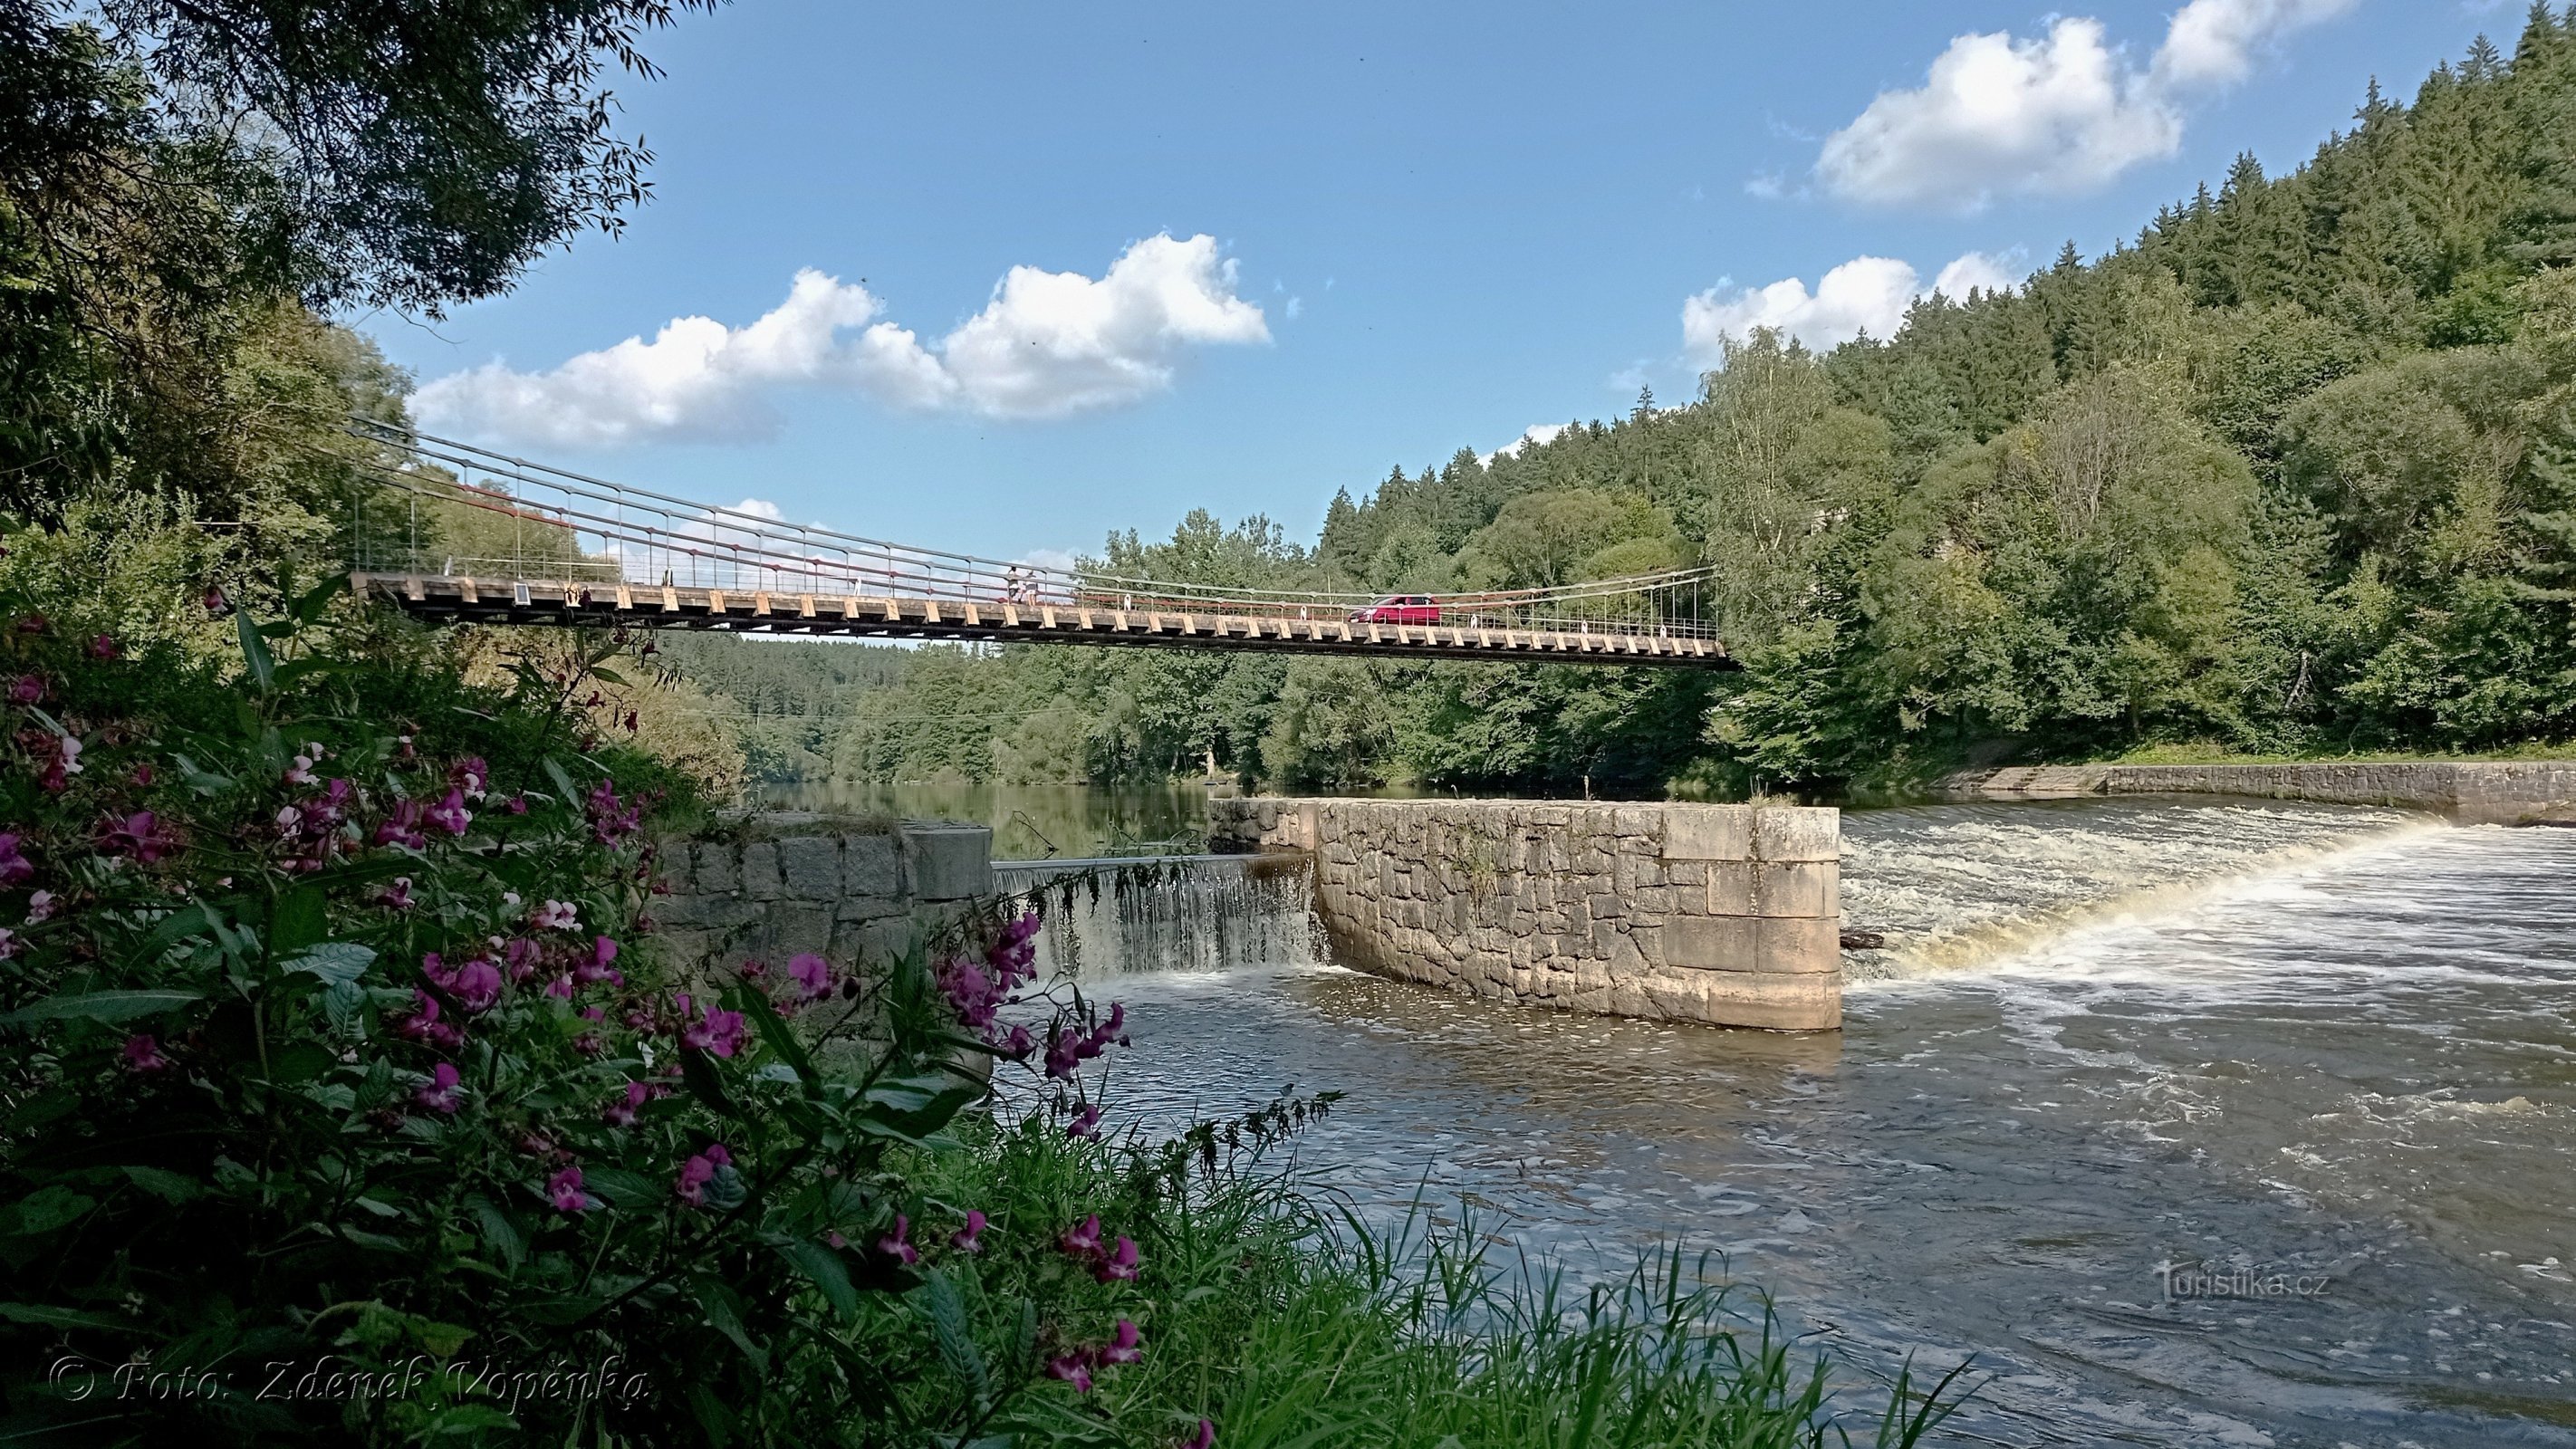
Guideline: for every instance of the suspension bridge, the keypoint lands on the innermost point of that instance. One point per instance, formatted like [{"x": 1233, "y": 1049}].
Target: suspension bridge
[{"x": 453, "y": 532}]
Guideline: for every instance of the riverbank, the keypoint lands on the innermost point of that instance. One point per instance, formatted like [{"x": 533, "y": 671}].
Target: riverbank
[{"x": 2471, "y": 792}]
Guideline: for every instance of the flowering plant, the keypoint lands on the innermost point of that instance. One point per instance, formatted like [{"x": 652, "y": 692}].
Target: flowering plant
[{"x": 332, "y": 1031}]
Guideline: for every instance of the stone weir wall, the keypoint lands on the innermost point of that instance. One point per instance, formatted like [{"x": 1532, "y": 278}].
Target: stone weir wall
[
  {"x": 1727, "y": 915},
  {"x": 2473, "y": 792},
  {"x": 772, "y": 886}
]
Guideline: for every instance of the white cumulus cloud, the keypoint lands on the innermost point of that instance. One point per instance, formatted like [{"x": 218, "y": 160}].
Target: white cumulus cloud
[
  {"x": 1865, "y": 294},
  {"x": 1535, "y": 435},
  {"x": 2058, "y": 114},
  {"x": 1045, "y": 345}
]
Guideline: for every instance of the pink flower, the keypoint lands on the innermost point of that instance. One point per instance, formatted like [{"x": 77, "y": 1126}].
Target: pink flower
[
  {"x": 32, "y": 624},
  {"x": 1016, "y": 1045},
  {"x": 139, "y": 835},
  {"x": 700, "y": 1170},
  {"x": 143, "y": 1054},
  {"x": 515, "y": 805},
  {"x": 564, "y": 1190},
  {"x": 450, "y": 814},
  {"x": 14, "y": 867},
  {"x": 1125, "y": 1346},
  {"x": 8, "y": 943},
  {"x": 1083, "y": 1239},
  {"x": 621, "y": 1113},
  {"x": 594, "y": 967},
  {"x": 520, "y": 955},
  {"x": 477, "y": 985},
  {"x": 811, "y": 973},
  {"x": 970, "y": 1238},
  {"x": 556, "y": 916},
  {"x": 611, "y": 819},
  {"x": 103, "y": 647},
  {"x": 897, "y": 1245},
  {"x": 423, "y": 1024},
  {"x": 717, "y": 1033},
  {"x": 1119, "y": 1266},
  {"x": 396, "y": 897},
  {"x": 302, "y": 771},
  {"x": 440, "y": 974},
  {"x": 1072, "y": 1370},
  {"x": 402, "y": 827},
  {"x": 26, "y": 689},
  {"x": 1205, "y": 1438},
  {"x": 216, "y": 604},
  {"x": 439, "y": 1092},
  {"x": 470, "y": 775},
  {"x": 40, "y": 908},
  {"x": 1086, "y": 1123},
  {"x": 560, "y": 988}
]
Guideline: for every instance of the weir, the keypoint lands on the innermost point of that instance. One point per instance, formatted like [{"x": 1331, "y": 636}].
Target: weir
[{"x": 1723, "y": 915}]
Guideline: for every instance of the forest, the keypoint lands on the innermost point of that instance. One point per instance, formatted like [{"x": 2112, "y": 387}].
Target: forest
[{"x": 2291, "y": 474}]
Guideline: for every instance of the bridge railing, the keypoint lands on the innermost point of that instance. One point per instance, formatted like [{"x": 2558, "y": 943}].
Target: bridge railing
[{"x": 445, "y": 507}]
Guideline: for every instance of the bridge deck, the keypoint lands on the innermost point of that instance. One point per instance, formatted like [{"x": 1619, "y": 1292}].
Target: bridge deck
[{"x": 537, "y": 601}]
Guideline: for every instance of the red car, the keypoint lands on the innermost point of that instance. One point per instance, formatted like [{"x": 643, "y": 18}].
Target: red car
[{"x": 1399, "y": 609}]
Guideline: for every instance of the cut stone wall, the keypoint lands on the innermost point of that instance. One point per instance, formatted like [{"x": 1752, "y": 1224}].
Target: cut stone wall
[
  {"x": 2473, "y": 792},
  {"x": 1727, "y": 915},
  {"x": 784, "y": 884}
]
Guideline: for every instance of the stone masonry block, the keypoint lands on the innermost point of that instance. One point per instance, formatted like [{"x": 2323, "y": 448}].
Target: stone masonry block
[
  {"x": 1711, "y": 943},
  {"x": 1802, "y": 1001},
  {"x": 1805, "y": 946},
  {"x": 1797, "y": 832},
  {"x": 811, "y": 867},
  {"x": 1805, "y": 888},
  {"x": 715, "y": 868},
  {"x": 871, "y": 866},
  {"x": 760, "y": 879},
  {"x": 948, "y": 862},
  {"x": 1708, "y": 832},
  {"x": 798, "y": 927}
]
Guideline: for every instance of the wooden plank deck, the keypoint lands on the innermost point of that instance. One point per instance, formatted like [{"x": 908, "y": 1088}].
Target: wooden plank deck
[{"x": 538, "y": 601}]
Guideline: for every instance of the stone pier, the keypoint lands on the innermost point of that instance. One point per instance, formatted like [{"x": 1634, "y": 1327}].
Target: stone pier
[
  {"x": 1725, "y": 915},
  {"x": 771, "y": 886}
]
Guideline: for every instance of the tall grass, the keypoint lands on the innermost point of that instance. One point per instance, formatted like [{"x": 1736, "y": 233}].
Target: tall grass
[{"x": 1294, "y": 1323}]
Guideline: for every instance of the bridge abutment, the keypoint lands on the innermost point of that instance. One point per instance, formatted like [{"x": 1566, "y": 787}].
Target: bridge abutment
[{"x": 1723, "y": 915}]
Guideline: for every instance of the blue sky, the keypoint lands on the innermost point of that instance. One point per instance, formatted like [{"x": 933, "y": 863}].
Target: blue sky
[{"x": 1268, "y": 253}]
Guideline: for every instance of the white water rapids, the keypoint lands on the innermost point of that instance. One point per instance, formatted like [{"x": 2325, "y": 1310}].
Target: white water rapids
[{"x": 2315, "y": 1066}]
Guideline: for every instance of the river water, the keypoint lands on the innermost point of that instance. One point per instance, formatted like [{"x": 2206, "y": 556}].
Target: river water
[{"x": 2199, "y": 1123}]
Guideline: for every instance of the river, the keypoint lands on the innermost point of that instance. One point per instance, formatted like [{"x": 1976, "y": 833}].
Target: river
[{"x": 2198, "y": 1122}]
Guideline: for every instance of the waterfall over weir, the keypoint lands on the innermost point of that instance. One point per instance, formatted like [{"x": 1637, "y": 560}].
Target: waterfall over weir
[{"x": 1192, "y": 913}]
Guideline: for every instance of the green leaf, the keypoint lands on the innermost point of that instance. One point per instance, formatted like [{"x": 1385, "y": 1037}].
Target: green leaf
[
  {"x": 698, "y": 1071},
  {"x": 51, "y": 1317},
  {"x": 774, "y": 1031},
  {"x": 309, "y": 606},
  {"x": 338, "y": 963},
  {"x": 468, "y": 1419},
  {"x": 724, "y": 1315},
  {"x": 499, "y": 1231},
  {"x": 563, "y": 782},
  {"x": 100, "y": 1006},
  {"x": 263, "y": 669},
  {"x": 179, "y": 923},
  {"x": 602, "y": 671},
  {"x": 956, "y": 1337},
  {"x": 301, "y": 918},
  {"x": 46, "y": 1209},
  {"x": 824, "y": 1269},
  {"x": 620, "y": 1188}
]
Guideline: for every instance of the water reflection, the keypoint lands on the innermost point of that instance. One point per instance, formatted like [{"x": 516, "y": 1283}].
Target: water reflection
[
  {"x": 2334, "y": 1046},
  {"x": 1029, "y": 822}
]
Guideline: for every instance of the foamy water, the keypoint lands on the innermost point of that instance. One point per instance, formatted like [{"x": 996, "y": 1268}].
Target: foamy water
[{"x": 2115, "y": 1043}]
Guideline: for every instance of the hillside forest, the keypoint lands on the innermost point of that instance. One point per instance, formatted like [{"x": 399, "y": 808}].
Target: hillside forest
[{"x": 2292, "y": 473}]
